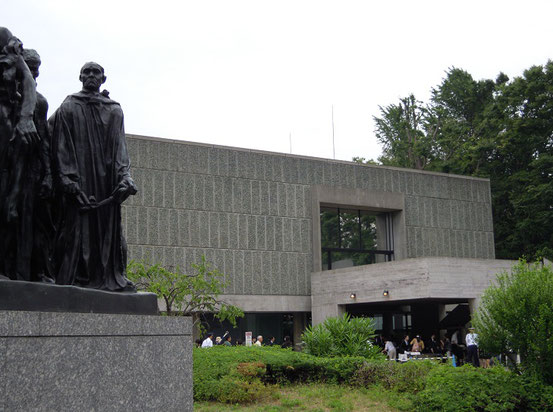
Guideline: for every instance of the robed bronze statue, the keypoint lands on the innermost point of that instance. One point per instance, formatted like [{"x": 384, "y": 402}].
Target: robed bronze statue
[
  {"x": 21, "y": 168},
  {"x": 91, "y": 166}
]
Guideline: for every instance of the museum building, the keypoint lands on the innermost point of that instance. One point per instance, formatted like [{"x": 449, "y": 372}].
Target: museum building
[{"x": 300, "y": 239}]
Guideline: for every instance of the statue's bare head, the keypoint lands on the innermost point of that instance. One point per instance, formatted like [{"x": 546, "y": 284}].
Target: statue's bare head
[
  {"x": 8, "y": 42},
  {"x": 92, "y": 76},
  {"x": 5, "y": 36},
  {"x": 32, "y": 58}
]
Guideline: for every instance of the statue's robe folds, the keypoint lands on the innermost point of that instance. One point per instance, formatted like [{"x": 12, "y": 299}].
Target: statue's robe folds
[{"x": 89, "y": 148}]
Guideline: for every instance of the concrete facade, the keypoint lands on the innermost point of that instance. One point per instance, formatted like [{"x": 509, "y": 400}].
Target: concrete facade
[
  {"x": 451, "y": 280},
  {"x": 255, "y": 216},
  {"x": 94, "y": 362}
]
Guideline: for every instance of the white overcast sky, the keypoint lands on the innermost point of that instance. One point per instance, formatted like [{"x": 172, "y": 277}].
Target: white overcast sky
[{"x": 249, "y": 73}]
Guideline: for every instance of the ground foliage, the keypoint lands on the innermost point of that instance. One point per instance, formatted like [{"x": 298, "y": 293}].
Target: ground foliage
[
  {"x": 476, "y": 389},
  {"x": 516, "y": 316},
  {"x": 246, "y": 375},
  {"x": 501, "y": 129},
  {"x": 220, "y": 366}
]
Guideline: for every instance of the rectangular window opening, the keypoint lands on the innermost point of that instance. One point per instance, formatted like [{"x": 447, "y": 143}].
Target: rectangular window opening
[{"x": 354, "y": 237}]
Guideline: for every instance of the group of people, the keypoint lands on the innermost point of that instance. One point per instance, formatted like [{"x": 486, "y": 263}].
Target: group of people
[
  {"x": 450, "y": 345},
  {"x": 226, "y": 340},
  {"x": 62, "y": 179}
]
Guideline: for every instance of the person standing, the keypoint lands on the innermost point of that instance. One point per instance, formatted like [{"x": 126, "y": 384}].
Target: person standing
[
  {"x": 259, "y": 341},
  {"x": 390, "y": 349},
  {"x": 405, "y": 346},
  {"x": 417, "y": 344},
  {"x": 472, "y": 348},
  {"x": 208, "y": 342},
  {"x": 434, "y": 346},
  {"x": 228, "y": 341},
  {"x": 287, "y": 343}
]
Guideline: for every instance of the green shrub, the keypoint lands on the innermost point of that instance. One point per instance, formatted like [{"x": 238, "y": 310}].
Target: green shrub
[
  {"x": 516, "y": 316},
  {"x": 233, "y": 389},
  {"x": 475, "y": 389},
  {"x": 342, "y": 336},
  {"x": 403, "y": 377},
  {"x": 309, "y": 368},
  {"x": 268, "y": 365}
]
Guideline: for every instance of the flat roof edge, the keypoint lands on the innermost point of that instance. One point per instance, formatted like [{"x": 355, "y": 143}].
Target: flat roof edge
[{"x": 267, "y": 152}]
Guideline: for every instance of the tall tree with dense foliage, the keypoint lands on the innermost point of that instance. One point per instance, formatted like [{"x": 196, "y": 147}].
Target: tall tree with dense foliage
[
  {"x": 516, "y": 317},
  {"x": 502, "y": 130},
  {"x": 406, "y": 134}
]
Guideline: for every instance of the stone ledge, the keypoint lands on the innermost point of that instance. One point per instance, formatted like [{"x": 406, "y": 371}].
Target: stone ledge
[
  {"x": 43, "y": 297},
  {"x": 52, "y": 324}
]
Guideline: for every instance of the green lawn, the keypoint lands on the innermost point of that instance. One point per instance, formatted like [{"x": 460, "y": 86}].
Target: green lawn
[{"x": 318, "y": 398}]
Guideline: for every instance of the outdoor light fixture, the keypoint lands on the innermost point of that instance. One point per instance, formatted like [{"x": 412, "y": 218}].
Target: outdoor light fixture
[
  {"x": 385, "y": 293},
  {"x": 353, "y": 296}
]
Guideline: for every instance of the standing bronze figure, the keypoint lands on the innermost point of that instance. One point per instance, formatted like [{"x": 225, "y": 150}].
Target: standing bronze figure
[
  {"x": 91, "y": 166},
  {"x": 19, "y": 144}
]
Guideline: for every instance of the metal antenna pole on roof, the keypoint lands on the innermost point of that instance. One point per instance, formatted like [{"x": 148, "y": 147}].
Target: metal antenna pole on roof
[
  {"x": 333, "y": 145},
  {"x": 290, "y": 142}
]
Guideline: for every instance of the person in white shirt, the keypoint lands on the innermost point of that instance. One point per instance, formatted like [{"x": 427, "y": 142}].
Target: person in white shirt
[
  {"x": 259, "y": 341},
  {"x": 390, "y": 349},
  {"x": 208, "y": 342},
  {"x": 472, "y": 348}
]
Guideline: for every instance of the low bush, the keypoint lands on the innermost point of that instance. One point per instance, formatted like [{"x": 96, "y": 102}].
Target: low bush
[
  {"x": 403, "y": 377},
  {"x": 233, "y": 389},
  {"x": 267, "y": 365},
  {"x": 475, "y": 389}
]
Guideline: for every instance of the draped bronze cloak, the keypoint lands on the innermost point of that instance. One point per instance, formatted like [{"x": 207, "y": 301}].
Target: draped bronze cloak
[{"x": 89, "y": 148}]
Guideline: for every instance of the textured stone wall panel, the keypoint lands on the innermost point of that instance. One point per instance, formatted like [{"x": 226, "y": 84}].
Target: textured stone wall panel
[{"x": 251, "y": 211}]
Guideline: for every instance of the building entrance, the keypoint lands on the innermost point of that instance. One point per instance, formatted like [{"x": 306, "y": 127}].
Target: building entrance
[{"x": 423, "y": 317}]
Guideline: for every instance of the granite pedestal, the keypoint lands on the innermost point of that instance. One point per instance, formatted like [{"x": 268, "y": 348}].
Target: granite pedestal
[
  {"x": 47, "y": 297},
  {"x": 94, "y": 362}
]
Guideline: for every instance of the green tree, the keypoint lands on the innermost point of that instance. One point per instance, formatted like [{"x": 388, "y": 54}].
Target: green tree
[
  {"x": 405, "y": 134},
  {"x": 342, "y": 336},
  {"x": 520, "y": 168},
  {"x": 516, "y": 317},
  {"x": 502, "y": 130},
  {"x": 458, "y": 108},
  {"x": 184, "y": 294}
]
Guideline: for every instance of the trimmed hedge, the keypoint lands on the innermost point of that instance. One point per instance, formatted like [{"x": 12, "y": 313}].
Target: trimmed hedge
[{"x": 273, "y": 365}]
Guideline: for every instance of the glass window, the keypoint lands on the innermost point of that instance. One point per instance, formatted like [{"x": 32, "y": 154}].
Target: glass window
[{"x": 349, "y": 238}]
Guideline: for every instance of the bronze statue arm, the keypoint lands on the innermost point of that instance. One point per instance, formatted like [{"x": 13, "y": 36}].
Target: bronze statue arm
[{"x": 25, "y": 129}]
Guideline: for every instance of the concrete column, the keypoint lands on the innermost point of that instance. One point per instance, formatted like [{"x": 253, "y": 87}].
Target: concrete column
[
  {"x": 320, "y": 313},
  {"x": 473, "y": 305},
  {"x": 441, "y": 315},
  {"x": 299, "y": 327}
]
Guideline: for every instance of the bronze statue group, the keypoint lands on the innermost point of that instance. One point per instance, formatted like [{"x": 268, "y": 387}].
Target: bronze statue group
[{"x": 62, "y": 179}]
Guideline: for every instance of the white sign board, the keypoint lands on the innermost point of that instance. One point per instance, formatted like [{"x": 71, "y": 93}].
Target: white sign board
[{"x": 248, "y": 338}]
